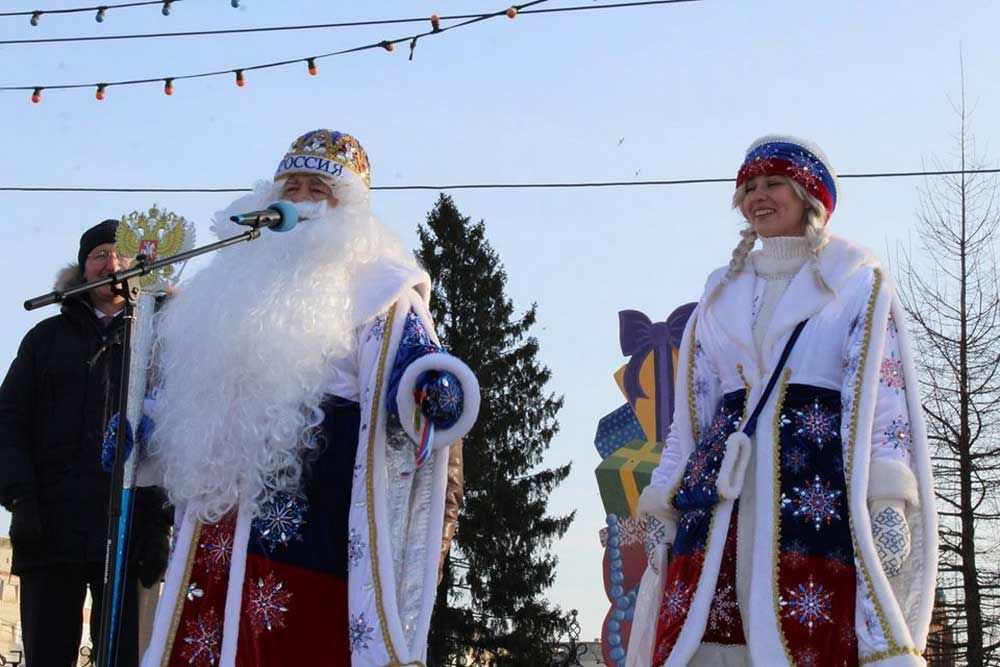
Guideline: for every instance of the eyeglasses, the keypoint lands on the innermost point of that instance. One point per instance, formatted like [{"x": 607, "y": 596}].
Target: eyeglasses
[{"x": 102, "y": 256}]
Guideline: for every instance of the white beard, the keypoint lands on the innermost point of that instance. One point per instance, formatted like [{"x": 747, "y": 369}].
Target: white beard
[{"x": 244, "y": 350}]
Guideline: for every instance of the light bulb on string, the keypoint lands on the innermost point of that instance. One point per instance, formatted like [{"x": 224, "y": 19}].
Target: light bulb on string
[
  {"x": 102, "y": 12},
  {"x": 35, "y": 17},
  {"x": 240, "y": 81},
  {"x": 387, "y": 45},
  {"x": 435, "y": 23},
  {"x": 166, "y": 7},
  {"x": 311, "y": 63},
  {"x": 235, "y": 3},
  {"x": 512, "y": 12},
  {"x": 36, "y": 96},
  {"x": 168, "y": 86},
  {"x": 101, "y": 87}
]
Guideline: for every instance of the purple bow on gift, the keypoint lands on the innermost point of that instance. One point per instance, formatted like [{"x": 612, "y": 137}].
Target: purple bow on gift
[{"x": 639, "y": 337}]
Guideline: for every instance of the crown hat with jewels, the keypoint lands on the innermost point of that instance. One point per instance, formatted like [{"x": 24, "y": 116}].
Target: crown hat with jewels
[
  {"x": 328, "y": 153},
  {"x": 800, "y": 160}
]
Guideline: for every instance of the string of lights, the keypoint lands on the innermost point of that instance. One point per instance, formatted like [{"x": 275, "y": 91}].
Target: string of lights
[
  {"x": 325, "y": 26},
  {"x": 310, "y": 61},
  {"x": 102, "y": 10},
  {"x": 498, "y": 186}
]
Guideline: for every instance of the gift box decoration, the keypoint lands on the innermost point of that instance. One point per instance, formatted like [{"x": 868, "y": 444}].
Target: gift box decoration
[
  {"x": 615, "y": 429},
  {"x": 623, "y": 475}
]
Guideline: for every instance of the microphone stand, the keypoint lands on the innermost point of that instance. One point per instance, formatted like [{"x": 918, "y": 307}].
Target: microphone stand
[{"x": 126, "y": 284}]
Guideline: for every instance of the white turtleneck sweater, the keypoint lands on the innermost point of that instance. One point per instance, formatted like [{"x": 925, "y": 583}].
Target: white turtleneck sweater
[{"x": 775, "y": 264}]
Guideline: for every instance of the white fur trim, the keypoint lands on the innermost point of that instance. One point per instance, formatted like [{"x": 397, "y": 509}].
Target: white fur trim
[
  {"x": 647, "y": 607},
  {"x": 892, "y": 480},
  {"x": 234, "y": 591},
  {"x": 655, "y": 500},
  {"x": 439, "y": 361},
  {"x": 171, "y": 589},
  {"x": 733, "y": 468}
]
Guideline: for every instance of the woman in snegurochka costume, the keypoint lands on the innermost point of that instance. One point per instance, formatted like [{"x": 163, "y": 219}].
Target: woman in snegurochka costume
[
  {"x": 811, "y": 538},
  {"x": 300, "y": 376}
]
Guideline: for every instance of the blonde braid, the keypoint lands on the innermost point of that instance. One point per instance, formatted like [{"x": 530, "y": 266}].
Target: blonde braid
[
  {"x": 748, "y": 238},
  {"x": 816, "y": 238}
]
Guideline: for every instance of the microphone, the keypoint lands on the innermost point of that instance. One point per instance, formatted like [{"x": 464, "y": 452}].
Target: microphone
[{"x": 278, "y": 217}]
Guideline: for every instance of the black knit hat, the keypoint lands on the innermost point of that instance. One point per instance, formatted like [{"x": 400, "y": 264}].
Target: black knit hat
[{"x": 102, "y": 232}]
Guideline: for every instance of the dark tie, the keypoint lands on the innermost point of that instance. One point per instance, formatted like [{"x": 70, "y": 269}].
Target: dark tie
[{"x": 105, "y": 320}]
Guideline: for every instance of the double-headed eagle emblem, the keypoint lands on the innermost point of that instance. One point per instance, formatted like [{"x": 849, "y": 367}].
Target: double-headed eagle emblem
[{"x": 155, "y": 234}]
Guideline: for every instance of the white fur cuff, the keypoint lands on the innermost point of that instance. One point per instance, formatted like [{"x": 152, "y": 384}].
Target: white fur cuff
[
  {"x": 734, "y": 464},
  {"x": 439, "y": 361},
  {"x": 892, "y": 480},
  {"x": 655, "y": 500}
]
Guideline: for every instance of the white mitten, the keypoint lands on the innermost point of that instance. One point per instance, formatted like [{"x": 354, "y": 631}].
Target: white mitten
[
  {"x": 891, "y": 533},
  {"x": 661, "y": 524},
  {"x": 891, "y": 487},
  {"x": 655, "y": 544}
]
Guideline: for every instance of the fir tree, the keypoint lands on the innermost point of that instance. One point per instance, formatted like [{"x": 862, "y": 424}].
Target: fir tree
[{"x": 490, "y": 602}]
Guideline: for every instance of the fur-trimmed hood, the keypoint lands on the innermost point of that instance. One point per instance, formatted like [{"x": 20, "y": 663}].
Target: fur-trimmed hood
[{"x": 70, "y": 275}]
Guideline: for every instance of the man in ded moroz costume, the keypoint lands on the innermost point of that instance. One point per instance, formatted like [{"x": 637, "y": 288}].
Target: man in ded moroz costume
[
  {"x": 800, "y": 511},
  {"x": 307, "y": 430}
]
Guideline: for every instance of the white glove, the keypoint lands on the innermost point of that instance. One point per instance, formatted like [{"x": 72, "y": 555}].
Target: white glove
[
  {"x": 655, "y": 544},
  {"x": 891, "y": 533},
  {"x": 661, "y": 525}
]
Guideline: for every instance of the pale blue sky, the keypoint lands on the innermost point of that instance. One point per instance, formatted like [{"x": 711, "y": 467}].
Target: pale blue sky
[{"x": 662, "y": 92}]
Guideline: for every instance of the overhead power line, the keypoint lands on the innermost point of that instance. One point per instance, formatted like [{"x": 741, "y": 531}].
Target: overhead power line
[
  {"x": 310, "y": 61},
  {"x": 324, "y": 26},
  {"x": 496, "y": 186}
]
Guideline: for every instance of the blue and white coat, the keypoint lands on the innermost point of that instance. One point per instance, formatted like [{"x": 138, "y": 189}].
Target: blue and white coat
[{"x": 854, "y": 344}]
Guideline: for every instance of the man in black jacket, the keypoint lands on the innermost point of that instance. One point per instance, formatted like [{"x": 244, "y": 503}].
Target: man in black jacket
[{"x": 57, "y": 397}]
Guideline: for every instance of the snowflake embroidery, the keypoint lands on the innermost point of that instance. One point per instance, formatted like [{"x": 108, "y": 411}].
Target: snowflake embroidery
[
  {"x": 355, "y": 549},
  {"x": 898, "y": 434},
  {"x": 280, "y": 520},
  {"x": 891, "y": 373},
  {"x": 794, "y": 459},
  {"x": 807, "y": 658},
  {"x": 809, "y": 604},
  {"x": 817, "y": 423},
  {"x": 193, "y": 592},
  {"x": 361, "y": 632},
  {"x": 377, "y": 330},
  {"x": 723, "y": 612},
  {"x": 676, "y": 599},
  {"x": 415, "y": 335},
  {"x": 202, "y": 640},
  {"x": 816, "y": 503},
  {"x": 267, "y": 603},
  {"x": 701, "y": 387},
  {"x": 215, "y": 549}
]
